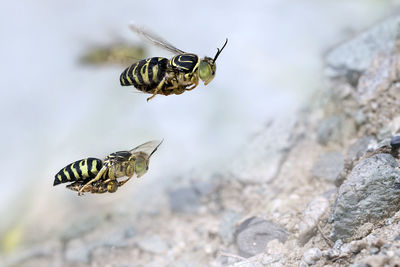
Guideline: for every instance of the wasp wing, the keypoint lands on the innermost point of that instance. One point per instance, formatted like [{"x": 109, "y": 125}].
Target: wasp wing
[
  {"x": 156, "y": 40},
  {"x": 149, "y": 147}
]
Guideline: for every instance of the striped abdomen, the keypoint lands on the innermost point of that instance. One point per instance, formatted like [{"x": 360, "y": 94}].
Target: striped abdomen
[
  {"x": 79, "y": 170},
  {"x": 186, "y": 63},
  {"x": 145, "y": 74}
]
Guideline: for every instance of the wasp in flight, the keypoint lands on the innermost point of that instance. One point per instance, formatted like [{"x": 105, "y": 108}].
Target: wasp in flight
[
  {"x": 97, "y": 176},
  {"x": 159, "y": 75}
]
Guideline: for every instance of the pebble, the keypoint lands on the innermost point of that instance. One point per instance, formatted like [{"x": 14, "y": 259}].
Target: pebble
[
  {"x": 330, "y": 129},
  {"x": 312, "y": 255},
  {"x": 329, "y": 166},
  {"x": 310, "y": 218},
  {"x": 253, "y": 235},
  {"x": 227, "y": 226}
]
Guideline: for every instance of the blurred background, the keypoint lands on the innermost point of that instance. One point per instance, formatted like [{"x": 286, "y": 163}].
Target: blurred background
[{"x": 55, "y": 109}]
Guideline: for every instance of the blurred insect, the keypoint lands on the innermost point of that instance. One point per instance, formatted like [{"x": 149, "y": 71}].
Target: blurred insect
[
  {"x": 117, "y": 53},
  {"x": 96, "y": 176},
  {"x": 159, "y": 75}
]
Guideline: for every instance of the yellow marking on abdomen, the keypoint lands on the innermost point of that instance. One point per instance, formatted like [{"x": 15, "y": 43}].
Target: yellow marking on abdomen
[
  {"x": 127, "y": 74},
  {"x": 133, "y": 74},
  {"x": 74, "y": 171},
  {"x": 145, "y": 73},
  {"x": 66, "y": 174},
  {"x": 59, "y": 177},
  {"x": 94, "y": 167},
  {"x": 84, "y": 168},
  {"x": 155, "y": 72}
]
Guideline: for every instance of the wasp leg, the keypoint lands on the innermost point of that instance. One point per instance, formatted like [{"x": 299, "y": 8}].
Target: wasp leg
[
  {"x": 119, "y": 183},
  {"x": 74, "y": 186},
  {"x": 123, "y": 182},
  {"x": 158, "y": 88},
  {"x": 88, "y": 184},
  {"x": 196, "y": 82}
]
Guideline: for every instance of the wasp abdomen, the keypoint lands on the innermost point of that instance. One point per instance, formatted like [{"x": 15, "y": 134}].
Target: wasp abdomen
[
  {"x": 79, "y": 170},
  {"x": 145, "y": 74},
  {"x": 186, "y": 63}
]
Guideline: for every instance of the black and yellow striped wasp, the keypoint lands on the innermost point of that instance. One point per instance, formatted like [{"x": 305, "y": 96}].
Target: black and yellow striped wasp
[
  {"x": 159, "y": 75},
  {"x": 96, "y": 176}
]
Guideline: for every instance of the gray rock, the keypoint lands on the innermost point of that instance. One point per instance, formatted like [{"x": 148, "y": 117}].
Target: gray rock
[
  {"x": 184, "y": 200},
  {"x": 253, "y": 235},
  {"x": 330, "y": 129},
  {"x": 356, "y": 55},
  {"x": 227, "y": 226},
  {"x": 312, "y": 255},
  {"x": 370, "y": 194},
  {"x": 360, "y": 147},
  {"x": 310, "y": 218},
  {"x": 329, "y": 166},
  {"x": 376, "y": 79},
  {"x": 153, "y": 244},
  {"x": 260, "y": 160}
]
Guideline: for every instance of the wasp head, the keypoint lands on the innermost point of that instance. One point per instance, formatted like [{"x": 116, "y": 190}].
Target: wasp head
[
  {"x": 208, "y": 67},
  {"x": 141, "y": 164}
]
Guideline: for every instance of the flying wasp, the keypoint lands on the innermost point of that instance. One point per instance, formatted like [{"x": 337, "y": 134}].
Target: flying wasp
[
  {"x": 97, "y": 176},
  {"x": 158, "y": 75}
]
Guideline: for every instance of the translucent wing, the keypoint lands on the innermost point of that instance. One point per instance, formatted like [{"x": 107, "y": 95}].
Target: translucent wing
[
  {"x": 149, "y": 147},
  {"x": 156, "y": 40}
]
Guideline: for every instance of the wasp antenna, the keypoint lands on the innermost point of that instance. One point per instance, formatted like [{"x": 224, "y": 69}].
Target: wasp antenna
[{"x": 220, "y": 50}]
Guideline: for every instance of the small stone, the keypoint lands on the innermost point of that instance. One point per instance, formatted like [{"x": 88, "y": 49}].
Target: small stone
[
  {"x": 310, "y": 218},
  {"x": 312, "y": 255},
  {"x": 368, "y": 195},
  {"x": 373, "y": 251},
  {"x": 227, "y": 226},
  {"x": 184, "y": 200},
  {"x": 330, "y": 129},
  {"x": 253, "y": 235},
  {"x": 331, "y": 253},
  {"x": 353, "y": 247},
  {"x": 359, "y": 117},
  {"x": 153, "y": 244},
  {"x": 329, "y": 166}
]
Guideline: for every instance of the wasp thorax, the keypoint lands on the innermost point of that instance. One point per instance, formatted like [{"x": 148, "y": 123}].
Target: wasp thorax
[{"x": 207, "y": 70}]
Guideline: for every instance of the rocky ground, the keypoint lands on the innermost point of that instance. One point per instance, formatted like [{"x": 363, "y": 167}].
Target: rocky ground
[{"x": 317, "y": 188}]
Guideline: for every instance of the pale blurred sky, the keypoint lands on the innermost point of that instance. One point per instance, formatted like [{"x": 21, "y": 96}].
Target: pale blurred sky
[{"x": 54, "y": 111}]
